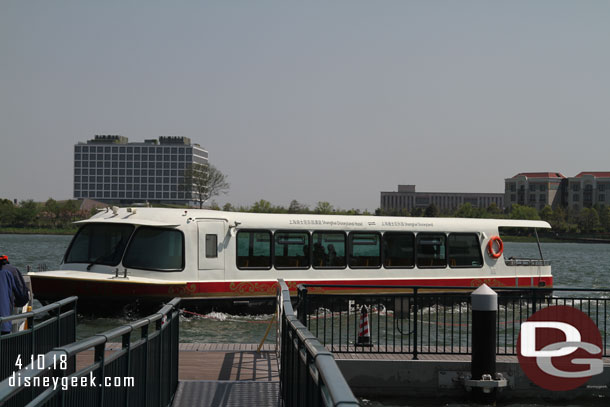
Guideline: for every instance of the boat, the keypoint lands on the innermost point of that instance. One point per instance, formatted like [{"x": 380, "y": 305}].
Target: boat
[{"x": 150, "y": 255}]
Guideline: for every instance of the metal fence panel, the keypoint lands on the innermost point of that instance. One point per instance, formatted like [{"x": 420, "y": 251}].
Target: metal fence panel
[
  {"x": 418, "y": 321},
  {"x": 145, "y": 360}
]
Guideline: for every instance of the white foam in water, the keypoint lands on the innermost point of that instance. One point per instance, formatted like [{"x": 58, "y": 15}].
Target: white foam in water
[{"x": 220, "y": 316}]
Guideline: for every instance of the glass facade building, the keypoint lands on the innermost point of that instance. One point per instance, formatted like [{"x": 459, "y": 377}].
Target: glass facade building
[{"x": 110, "y": 169}]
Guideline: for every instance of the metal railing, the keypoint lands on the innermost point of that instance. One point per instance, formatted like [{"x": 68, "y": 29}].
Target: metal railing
[
  {"x": 143, "y": 372},
  {"x": 309, "y": 375},
  {"x": 418, "y": 321},
  {"x": 47, "y": 327}
]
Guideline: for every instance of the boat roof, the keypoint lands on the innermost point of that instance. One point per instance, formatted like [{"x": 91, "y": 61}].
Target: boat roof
[{"x": 167, "y": 217}]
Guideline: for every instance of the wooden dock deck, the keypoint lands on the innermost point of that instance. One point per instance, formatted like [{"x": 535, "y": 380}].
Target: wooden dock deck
[
  {"x": 220, "y": 375},
  {"x": 227, "y": 375}
]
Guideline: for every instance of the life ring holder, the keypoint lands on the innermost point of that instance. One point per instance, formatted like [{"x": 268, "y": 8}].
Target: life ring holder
[{"x": 490, "y": 247}]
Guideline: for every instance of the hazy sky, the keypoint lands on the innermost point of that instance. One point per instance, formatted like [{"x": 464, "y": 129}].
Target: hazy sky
[{"x": 315, "y": 101}]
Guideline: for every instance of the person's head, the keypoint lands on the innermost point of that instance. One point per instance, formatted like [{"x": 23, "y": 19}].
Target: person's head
[{"x": 3, "y": 260}]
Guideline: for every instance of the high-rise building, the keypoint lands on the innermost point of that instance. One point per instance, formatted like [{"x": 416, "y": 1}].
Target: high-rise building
[
  {"x": 110, "y": 169},
  {"x": 407, "y": 198}
]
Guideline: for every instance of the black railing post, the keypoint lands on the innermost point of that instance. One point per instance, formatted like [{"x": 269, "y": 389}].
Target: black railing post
[
  {"x": 302, "y": 304},
  {"x": 126, "y": 343},
  {"x": 159, "y": 328},
  {"x": 415, "y": 330},
  {"x": 100, "y": 356},
  {"x": 533, "y": 301},
  {"x": 144, "y": 336},
  {"x": 58, "y": 326}
]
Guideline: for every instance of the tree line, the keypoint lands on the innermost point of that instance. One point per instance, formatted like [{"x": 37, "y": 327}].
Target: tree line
[
  {"x": 563, "y": 220},
  {"x": 60, "y": 215},
  {"x": 51, "y": 214}
]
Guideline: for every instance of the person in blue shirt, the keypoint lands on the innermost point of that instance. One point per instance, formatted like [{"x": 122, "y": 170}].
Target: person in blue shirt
[{"x": 13, "y": 292}]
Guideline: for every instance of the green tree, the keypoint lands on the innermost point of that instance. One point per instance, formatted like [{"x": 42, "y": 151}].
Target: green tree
[
  {"x": 228, "y": 207},
  {"x": 262, "y": 206},
  {"x": 8, "y": 212},
  {"x": 296, "y": 207},
  {"x": 26, "y": 214},
  {"x": 68, "y": 212},
  {"x": 493, "y": 211},
  {"x": 588, "y": 220},
  {"x": 466, "y": 211},
  {"x": 546, "y": 213},
  {"x": 523, "y": 212},
  {"x": 204, "y": 181},
  {"x": 323, "y": 208},
  {"x": 417, "y": 212},
  {"x": 558, "y": 220},
  {"x": 604, "y": 218},
  {"x": 431, "y": 211}
]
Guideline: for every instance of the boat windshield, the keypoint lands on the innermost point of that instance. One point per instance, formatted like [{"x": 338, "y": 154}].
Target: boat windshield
[{"x": 100, "y": 243}]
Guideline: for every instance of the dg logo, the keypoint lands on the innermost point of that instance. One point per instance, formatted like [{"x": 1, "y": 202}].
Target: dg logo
[{"x": 560, "y": 348}]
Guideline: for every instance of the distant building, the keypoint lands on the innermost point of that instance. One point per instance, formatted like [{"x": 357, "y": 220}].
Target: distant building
[
  {"x": 407, "y": 198},
  {"x": 587, "y": 189},
  {"x": 535, "y": 189},
  {"x": 110, "y": 169}
]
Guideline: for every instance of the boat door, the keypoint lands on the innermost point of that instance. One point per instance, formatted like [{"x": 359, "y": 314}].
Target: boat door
[{"x": 212, "y": 242}]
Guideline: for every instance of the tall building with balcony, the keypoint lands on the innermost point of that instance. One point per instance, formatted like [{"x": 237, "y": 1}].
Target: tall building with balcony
[
  {"x": 407, "y": 198},
  {"x": 108, "y": 168},
  {"x": 587, "y": 189},
  {"x": 535, "y": 189}
]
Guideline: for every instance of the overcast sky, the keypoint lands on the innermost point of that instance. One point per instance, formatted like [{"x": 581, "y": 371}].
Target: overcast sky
[{"x": 314, "y": 101}]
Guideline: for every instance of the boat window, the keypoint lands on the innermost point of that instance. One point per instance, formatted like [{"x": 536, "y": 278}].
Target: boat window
[
  {"x": 211, "y": 246},
  {"x": 254, "y": 249},
  {"x": 365, "y": 250},
  {"x": 464, "y": 250},
  {"x": 328, "y": 250},
  {"x": 158, "y": 249},
  {"x": 431, "y": 250},
  {"x": 291, "y": 249},
  {"x": 398, "y": 250},
  {"x": 100, "y": 243}
]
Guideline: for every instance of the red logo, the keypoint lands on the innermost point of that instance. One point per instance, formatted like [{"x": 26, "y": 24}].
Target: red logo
[{"x": 560, "y": 348}]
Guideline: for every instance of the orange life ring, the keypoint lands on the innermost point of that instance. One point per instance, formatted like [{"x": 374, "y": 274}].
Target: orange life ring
[{"x": 490, "y": 247}]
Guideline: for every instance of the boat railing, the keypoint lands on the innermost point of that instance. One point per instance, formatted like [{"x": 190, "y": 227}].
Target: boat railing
[
  {"x": 513, "y": 261},
  {"x": 309, "y": 375},
  {"x": 142, "y": 372},
  {"x": 415, "y": 320}
]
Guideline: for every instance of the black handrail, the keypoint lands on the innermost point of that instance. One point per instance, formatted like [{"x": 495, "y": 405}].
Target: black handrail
[
  {"x": 151, "y": 361},
  {"x": 309, "y": 375},
  {"x": 455, "y": 288},
  {"x": 47, "y": 327}
]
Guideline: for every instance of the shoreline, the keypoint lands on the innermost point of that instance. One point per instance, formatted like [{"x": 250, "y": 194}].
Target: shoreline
[{"x": 36, "y": 231}]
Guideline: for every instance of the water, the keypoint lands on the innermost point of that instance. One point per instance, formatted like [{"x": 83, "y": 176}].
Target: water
[{"x": 574, "y": 265}]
